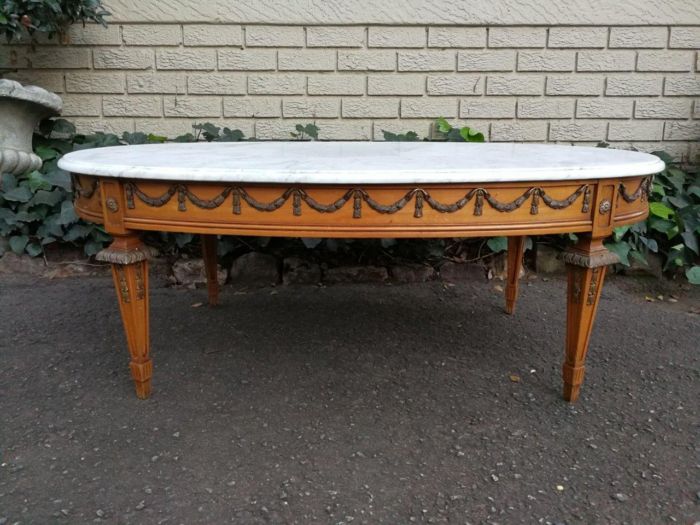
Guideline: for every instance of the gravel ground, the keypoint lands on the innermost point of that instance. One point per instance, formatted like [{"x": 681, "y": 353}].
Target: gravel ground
[{"x": 363, "y": 404}]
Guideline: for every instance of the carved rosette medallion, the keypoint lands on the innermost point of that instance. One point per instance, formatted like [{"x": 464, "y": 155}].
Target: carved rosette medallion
[{"x": 112, "y": 204}]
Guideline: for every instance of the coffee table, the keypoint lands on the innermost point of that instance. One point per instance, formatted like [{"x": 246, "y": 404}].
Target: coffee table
[{"x": 361, "y": 190}]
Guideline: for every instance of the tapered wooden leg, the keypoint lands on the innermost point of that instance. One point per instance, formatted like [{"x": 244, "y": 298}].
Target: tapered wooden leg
[
  {"x": 586, "y": 266},
  {"x": 516, "y": 249},
  {"x": 129, "y": 259},
  {"x": 209, "y": 243}
]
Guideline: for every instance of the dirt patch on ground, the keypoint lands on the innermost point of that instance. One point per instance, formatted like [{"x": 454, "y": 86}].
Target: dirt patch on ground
[{"x": 363, "y": 404}]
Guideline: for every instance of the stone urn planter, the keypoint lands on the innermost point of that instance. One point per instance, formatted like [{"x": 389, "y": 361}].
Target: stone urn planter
[{"x": 21, "y": 108}]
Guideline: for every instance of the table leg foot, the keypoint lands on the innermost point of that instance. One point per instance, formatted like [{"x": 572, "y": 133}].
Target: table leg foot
[
  {"x": 586, "y": 265},
  {"x": 516, "y": 249},
  {"x": 129, "y": 260},
  {"x": 209, "y": 243}
]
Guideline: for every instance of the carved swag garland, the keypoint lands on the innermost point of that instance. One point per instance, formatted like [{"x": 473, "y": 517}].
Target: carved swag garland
[{"x": 359, "y": 195}]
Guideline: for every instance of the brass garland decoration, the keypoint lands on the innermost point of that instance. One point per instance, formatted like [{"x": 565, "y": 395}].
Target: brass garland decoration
[
  {"x": 593, "y": 288},
  {"x": 358, "y": 196},
  {"x": 85, "y": 193},
  {"x": 576, "y": 280},
  {"x": 642, "y": 192},
  {"x": 123, "y": 284},
  {"x": 140, "y": 289}
]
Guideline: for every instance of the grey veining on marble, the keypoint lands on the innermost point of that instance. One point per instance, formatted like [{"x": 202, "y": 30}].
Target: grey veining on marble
[{"x": 360, "y": 162}]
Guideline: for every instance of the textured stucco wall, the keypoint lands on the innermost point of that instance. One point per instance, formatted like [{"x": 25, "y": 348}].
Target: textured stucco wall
[{"x": 625, "y": 72}]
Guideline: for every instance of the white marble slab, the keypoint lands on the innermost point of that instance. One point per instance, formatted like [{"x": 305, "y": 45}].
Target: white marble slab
[{"x": 359, "y": 162}]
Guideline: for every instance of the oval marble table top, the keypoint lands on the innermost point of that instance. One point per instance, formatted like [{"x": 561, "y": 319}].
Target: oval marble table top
[{"x": 359, "y": 162}]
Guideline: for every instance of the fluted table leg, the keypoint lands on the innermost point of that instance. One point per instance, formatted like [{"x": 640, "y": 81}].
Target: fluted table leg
[
  {"x": 129, "y": 259},
  {"x": 586, "y": 265}
]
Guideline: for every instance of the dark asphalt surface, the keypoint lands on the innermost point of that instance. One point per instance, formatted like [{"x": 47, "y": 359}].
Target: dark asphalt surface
[{"x": 346, "y": 404}]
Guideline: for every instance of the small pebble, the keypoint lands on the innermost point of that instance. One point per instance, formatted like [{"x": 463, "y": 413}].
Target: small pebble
[
  {"x": 619, "y": 496},
  {"x": 141, "y": 505}
]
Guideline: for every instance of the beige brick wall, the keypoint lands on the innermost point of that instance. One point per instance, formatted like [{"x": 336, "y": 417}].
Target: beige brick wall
[{"x": 632, "y": 83}]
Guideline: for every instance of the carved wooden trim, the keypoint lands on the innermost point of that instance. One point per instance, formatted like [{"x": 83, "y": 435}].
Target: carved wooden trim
[
  {"x": 359, "y": 196},
  {"x": 590, "y": 260},
  {"x": 642, "y": 192},
  {"x": 132, "y": 256}
]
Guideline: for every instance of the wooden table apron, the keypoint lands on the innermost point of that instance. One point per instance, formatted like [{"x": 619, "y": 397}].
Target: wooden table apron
[{"x": 591, "y": 208}]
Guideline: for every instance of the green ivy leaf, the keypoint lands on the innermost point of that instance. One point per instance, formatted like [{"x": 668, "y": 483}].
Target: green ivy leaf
[
  {"x": 45, "y": 153},
  {"x": 92, "y": 247},
  {"x": 68, "y": 215},
  {"x": 312, "y": 131},
  {"x": 658, "y": 189},
  {"x": 679, "y": 201},
  {"x": 34, "y": 249},
  {"x": 49, "y": 198},
  {"x": 209, "y": 131},
  {"x": 497, "y": 244},
  {"x": 471, "y": 135},
  {"x": 693, "y": 274},
  {"x": 18, "y": 243},
  {"x": 60, "y": 178},
  {"x": 51, "y": 226},
  {"x": 619, "y": 232},
  {"x": 660, "y": 210},
  {"x": 622, "y": 249},
  {"x": 187, "y": 137},
  {"x": 311, "y": 242},
  {"x": 63, "y": 127},
  {"x": 639, "y": 257},
  {"x": 231, "y": 135},
  {"x": 181, "y": 239},
  {"x": 663, "y": 156},
  {"x": 691, "y": 241},
  {"x": 18, "y": 194},
  {"x": 37, "y": 181},
  {"x": 443, "y": 126},
  {"x": 9, "y": 182},
  {"x": 6, "y": 215},
  {"x": 650, "y": 243},
  {"x": 134, "y": 138},
  {"x": 409, "y": 136},
  {"x": 26, "y": 216},
  {"x": 156, "y": 139},
  {"x": 76, "y": 232}
]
